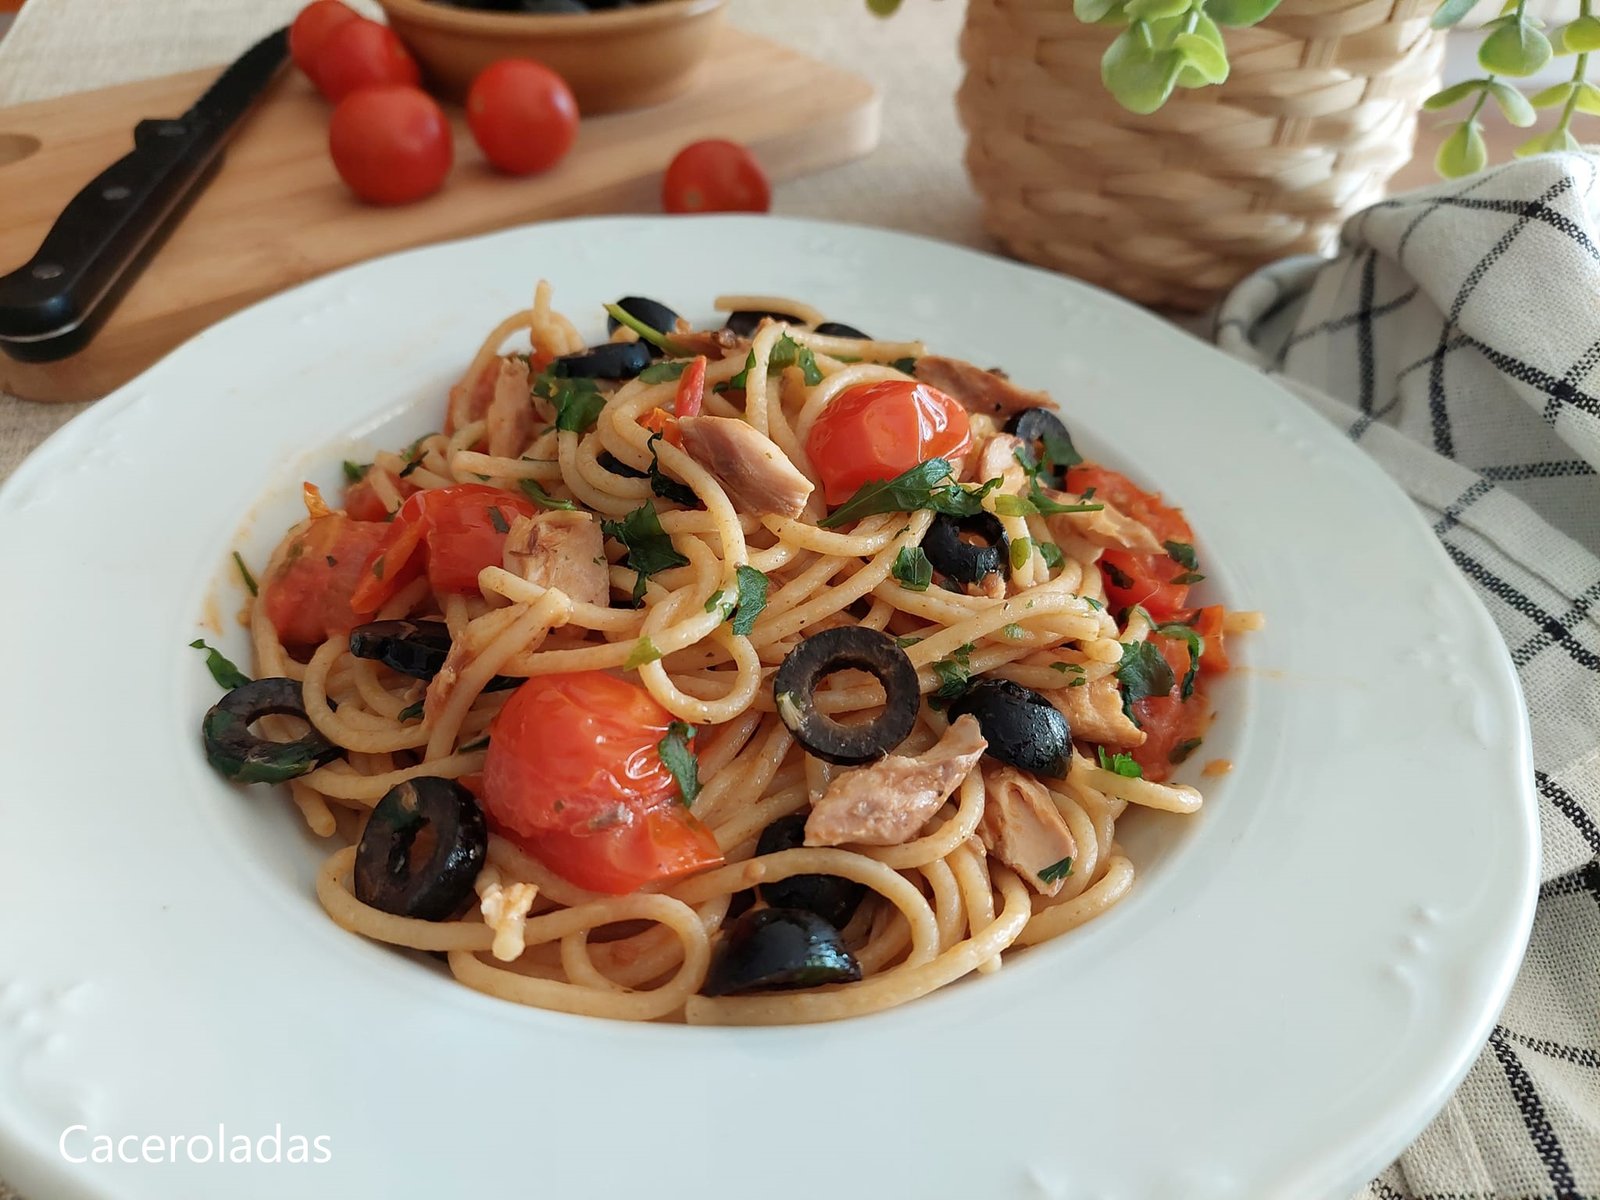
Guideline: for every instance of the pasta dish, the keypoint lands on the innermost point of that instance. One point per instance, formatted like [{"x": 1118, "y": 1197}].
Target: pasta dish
[{"x": 757, "y": 674}]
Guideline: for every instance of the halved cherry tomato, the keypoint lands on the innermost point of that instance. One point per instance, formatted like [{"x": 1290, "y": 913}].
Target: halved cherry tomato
[
  {"x": 715, "y": 176},
  {"x": 359, "y": 54},
  {"x": 691, "y": 389},
  {"x": 659, "y": 420},
  {"x": 1167, "y": 720},
  {"x": 458, "y": 530},
  {"x": 876, "y": 431},
  {"x": 574, "y": 775},
  {"x": 311, "y": 28},
  {"x": 1132, "y": 578},
  {"x": 307, "y": 597},
  {"x": 1208, "y": 624},
  {"x": 522, "y": 115},
  {"x": 361, "y": 501},
  {"x": 390, "y": 143}
]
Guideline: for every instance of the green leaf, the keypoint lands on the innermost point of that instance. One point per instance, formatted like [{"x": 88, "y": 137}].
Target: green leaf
[
  {"x": 954, "y": 672},
  {"x": 1181, "y": 553},
  {"x": 1581, "y": 36},
  {"x": 752, "y": 599},
  {"x": 1188, "y": 577},
  {"x": 678, "y": 758},
  {"x": 662, "y": 372},
  {"x": 1588, "y": 99},
  {"x": 1543, "y": 143},
  {"x": 1053, "y": 557},
  {"x": 1067, "y": 668},
  {"x": 355, "y": 472},
  {"x": 912, "y": 568},
  {"x": 1021, "y": 552},
  {"x": 224, "y": 672},
  {"x": 1239, "y": 13},
  {"x": 412, "y": 711},
  {"x": 644, "y": 651},
  {"x": 664, "y": 485},
  {"x": 1119, "y": 764},
  {"x": 649, "y": 547},
  {"x": 498, "y": 519},
  {"x": 1463, "y": 152},
  {"x": 1555, "y": 94},
  {"x": 907, "y": 366},
  {"x": 1209, "y": 61},
  {"x": 1142, "y": 672},
  {"x": 532, "y": 490},
  {"x": 1453, "y": 94},
  {"x": 244, "y": 573},
  {"x": 908, "y": 641},
  {"x": 655, "y": 337},
  {"x": 715, "y": 601},
  {"x": 1013, "y": 506},
  {"x": 1514, "y": 48},
  {"x": 1056, "y": 871},
  {"x": 1197, "y": 645},
  {"x": 1513, "y": 104},
  {"x": 786, "y": 352},
  {"x": 1451, "y": 12},
  {"x": 471, "y": 746},
  {"x": 1153, "y": 10},
  {"x": 577, "y": 402},
  {"x": 924, "y": 486},
  {"x": 1139, "y": 76}
]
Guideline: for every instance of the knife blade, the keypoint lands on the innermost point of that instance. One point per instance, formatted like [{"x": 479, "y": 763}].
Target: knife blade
[{"x": 52, "y": 305}]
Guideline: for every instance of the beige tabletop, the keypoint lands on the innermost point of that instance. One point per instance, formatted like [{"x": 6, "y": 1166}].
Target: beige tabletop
[{"x": 914, "y": 181}]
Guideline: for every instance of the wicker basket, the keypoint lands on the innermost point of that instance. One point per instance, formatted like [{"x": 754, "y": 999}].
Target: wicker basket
[{"x": 1173, "y": 208}]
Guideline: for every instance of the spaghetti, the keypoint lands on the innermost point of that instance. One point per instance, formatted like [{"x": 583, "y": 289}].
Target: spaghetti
[{"x": 578, "y": 611}]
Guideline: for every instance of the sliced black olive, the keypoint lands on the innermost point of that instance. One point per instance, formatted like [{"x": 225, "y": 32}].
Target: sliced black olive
[
  {"x": 239, "y": 754},
  {"x": 968, "y": 562},
  {"x": 744, "y": 321},
  {"x": 651, "y": 312},
  {"x": 776, "y": 949},
  {"x": 1021, "y": 726},
  {"x": 795, "y": 683},
  {"x": 616, "y": 466},
  {"x": 401, "y": 871},
  {"x": 831, "y": 897},
  {"x": 609, "y": 360},
  {"x": 414, "y": 648},
  {"x": 1033, "y": 425},
  {"x": 840, "y": 329}
]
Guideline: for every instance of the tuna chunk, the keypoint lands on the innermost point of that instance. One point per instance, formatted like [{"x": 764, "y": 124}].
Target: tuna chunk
[
  {"x": 977, "y": 390},
  {"x": 1023, "y": 828},
  {"x": 1094, "y": 712},
  {"x": 562, "y": 550},
  {"x": 758, "y": 477}
]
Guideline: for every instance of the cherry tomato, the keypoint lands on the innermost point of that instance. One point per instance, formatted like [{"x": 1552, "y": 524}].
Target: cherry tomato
[
  {"x": 522, "y": 115},
  {"x": 361, "y": 501},
  {"x": 1214, "y": 654},
  {"x": 715, "y": 176},
  {"x": 390, "y": 144},
  {"x": 311, "y": 28},
  {"x": 574, "y": 774},
  {"x": 359, "y": 54},
  {"x": 1132, "y": 578},
  {"x": 1168, "y": 720},
  {"x": 691, "y": 392},
  {"x": 457, "y": 530},
  {"x": 307, "y": 597},
  {"x": 876, "y": 431}
]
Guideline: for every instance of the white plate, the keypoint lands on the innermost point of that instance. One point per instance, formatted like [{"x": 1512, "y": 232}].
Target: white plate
[{"x": 1300, "y": 977}]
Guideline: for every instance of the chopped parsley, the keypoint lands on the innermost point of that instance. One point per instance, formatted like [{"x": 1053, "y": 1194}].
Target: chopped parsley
[
  {"x": 662, "y": 372},
  {"x": 1053, "y": 557},
  {"x": 1056, "y": 871},
  {"x": 355, "y": 472},
  {"x": 954, "y": 672},
  {"x": 680, "y": 759},
  {"x": 1116, "y": 574},
  {"x": 928, "y": 485},
  {"x": 912, "y": 568},
  {"x": 577, "y": 402},
  {"x": 1012, "y": 631},
  {"x": 498, "y": 520},
  {"x": 471, "y": 746},
  {"x": 222, "y": 670},
  {"x": 1181, "y": 553},
  {"x": 664, "y": 485},
  {"x": 752, "y": 599},
  {"x": 1067, "y": 668},
  {"x": 649, "y": 547},
  {"x": 1188, "y": 577},
  {"x": 908, "y": 365},
  {"x": 244, "y": 572},
  {"x": 655, "y": 337},
  {"x": 644, "y": 651},
  {"x": 1021, "y": 552},
  {"x": 1183, "y": 749},
  {"x": 1119, "y": 764},
  {"x": 412, "y": 711},
  {"x": 533, "y": 491},
  {"x": 716, "y": 600},
  {"x": 785, "y": 353},
  {"x": 1008, "y": 505},
  {"x": 1142, "y": 672},
  {"x": 1197, "y": 645},
  {"x": 909, "y": 640}
]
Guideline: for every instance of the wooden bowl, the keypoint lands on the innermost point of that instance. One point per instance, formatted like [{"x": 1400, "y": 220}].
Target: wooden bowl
[{"x": 614, "y": 59}]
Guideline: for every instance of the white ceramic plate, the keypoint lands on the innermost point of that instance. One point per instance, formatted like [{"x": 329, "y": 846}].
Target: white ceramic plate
[{"x": 1298, "y": 980}]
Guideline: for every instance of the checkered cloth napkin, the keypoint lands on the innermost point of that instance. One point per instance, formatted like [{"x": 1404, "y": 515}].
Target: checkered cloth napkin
[{"x": 1456, "y": 338}]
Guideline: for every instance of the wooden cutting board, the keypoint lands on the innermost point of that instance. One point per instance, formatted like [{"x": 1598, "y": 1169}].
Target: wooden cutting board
[{"x": 277, "y": 214}]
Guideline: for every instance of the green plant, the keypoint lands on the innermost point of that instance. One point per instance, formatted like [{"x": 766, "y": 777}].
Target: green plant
[{"x": 1163, "y": 45}]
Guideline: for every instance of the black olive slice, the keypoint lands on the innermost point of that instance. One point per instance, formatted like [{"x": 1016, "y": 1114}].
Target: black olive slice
[
  {"x": 832, "y": 897},
  {"x": 414, "y": 648},
  {"x": 239, "y": 754},
  {"x": 840, "y": 329},
  {"x": 1033, "y": 425},
  {"x": 1021, "y": 726},
  {"x": 609, "y": 360},
  {"x": 745, "y": 321},
  {"x": 795, "y": 683},
  {"x": 649, "y": 312},
  {"x": 616, "y": 466},
  {"x": 964, "y": 561},
  {"x": 777, "y": 949},
  {"x": 432, "y": 885}
]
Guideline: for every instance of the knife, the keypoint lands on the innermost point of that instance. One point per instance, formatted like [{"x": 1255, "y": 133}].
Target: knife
[{"x": 52, "y": 305}]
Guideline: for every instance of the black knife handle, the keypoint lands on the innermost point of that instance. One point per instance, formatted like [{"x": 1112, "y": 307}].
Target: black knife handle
[{"x": 99, "y": 236}]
